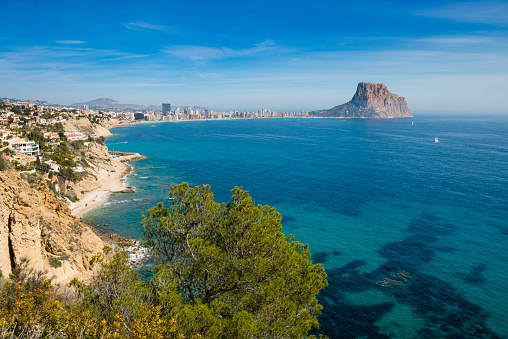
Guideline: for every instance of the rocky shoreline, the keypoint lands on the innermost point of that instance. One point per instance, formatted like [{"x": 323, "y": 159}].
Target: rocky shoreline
[{"x": 136, "y": 253}]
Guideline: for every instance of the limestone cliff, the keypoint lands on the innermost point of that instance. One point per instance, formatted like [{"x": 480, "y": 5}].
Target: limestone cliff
[
  {"x": 98, "y": 164},
  {"x": 84, "y": 125},
  {"x": 370, "y": 101},
  {"x": 34, "y": 225}
]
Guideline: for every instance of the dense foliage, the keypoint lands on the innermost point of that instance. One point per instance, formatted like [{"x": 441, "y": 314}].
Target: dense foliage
[
  {"x": 31, "y": 308},
  {"x": 231, "y": 267}
]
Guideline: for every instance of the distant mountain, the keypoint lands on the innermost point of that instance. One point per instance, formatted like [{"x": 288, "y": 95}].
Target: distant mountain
[
  {"x": 35, "y": 102},
  {"x": 200, "y": 108},
  {"x": 370, "y": 101},
  {"x": 111, "y": 103},
  {"x": 101, "y": 102}
]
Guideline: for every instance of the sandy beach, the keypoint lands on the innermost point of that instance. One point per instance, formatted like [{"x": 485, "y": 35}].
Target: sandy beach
[{"x": 107, "y": 182}]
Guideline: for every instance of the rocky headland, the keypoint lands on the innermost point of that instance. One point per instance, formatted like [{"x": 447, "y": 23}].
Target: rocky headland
[{"x": 370, "y": 101}]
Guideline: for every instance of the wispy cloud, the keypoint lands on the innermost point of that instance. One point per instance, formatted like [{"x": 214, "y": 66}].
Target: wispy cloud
[
  {"x": 70, "y": 42},
  {"x": 198, "y": 53},
  {"x": 143, "y": 26},
  {"x": 473, "y": 42},
  {"x": 63, "y": 64},
  {"x": 68, "y": 54},
  {"x": 136, "y": 84},
  {"x": 457, "y": 40},
  {"x": 486, "y": 12}
]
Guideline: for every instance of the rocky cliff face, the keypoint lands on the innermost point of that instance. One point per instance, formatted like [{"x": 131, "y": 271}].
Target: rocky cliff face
[
  {"x": 370, "y": 101},
  {"x": 84, "y": 125},
  {"x": 35, "y": 226},
  {"x": 99, "y": 164}
]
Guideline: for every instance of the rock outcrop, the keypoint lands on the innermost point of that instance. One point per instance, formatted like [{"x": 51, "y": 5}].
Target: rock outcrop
[
  {"x": 36, "y": 226},
  {"x": 370, "y": 101},
  {"x": 84, "y": 125}
]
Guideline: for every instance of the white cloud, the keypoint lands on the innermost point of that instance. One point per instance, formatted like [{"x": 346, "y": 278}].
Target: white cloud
[
  {"x": 468, "y": 43},
  {"x": 143, "y": 26},
  {"x": 493, "y": 13},
  {"x": 70, "y": 42},
  {"x": 135, "y": 84},
  {"x": 457, "y": 40},
  {"x": 71, "y": 55},
  {"x": 208, "y": 53}
]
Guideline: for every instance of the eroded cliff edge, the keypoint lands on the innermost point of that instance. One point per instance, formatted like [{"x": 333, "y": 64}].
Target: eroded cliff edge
[
  {"x": 370, "y": 101},
  {"x": 36, "y": 226}
]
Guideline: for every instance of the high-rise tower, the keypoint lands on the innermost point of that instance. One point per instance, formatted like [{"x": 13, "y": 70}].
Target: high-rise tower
[{"x": 166, "y": 109}]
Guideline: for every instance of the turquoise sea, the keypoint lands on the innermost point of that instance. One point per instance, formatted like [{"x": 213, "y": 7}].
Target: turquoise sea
[{"x": 413, "y": 234}]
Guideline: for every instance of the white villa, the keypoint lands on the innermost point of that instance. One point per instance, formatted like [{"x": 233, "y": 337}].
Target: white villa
[
  {"x": 26, "y": 147},
  {"x": 53, "y": 165},
  {"x": 4, "y": 134}
]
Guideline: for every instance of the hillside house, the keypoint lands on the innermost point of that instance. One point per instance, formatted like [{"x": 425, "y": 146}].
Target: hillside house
[
  {"x": 53, "y": 165},
  {"x": 4, "y": 134},
  {"x": 25, "y": 147}
]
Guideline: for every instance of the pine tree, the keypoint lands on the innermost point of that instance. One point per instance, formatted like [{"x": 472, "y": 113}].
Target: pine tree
[{"x": 229, "y": 270}]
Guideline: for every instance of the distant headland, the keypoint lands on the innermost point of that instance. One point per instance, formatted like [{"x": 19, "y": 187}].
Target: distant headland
[{"x": 370, "y": 101}]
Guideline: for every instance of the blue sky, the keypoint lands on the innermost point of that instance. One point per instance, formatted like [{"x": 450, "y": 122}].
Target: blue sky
[{"x": 443, "y": 57}]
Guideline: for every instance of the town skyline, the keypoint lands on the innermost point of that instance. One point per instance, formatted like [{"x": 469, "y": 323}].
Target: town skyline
[
  {"x": 443, "y": 57},
  {"x": 123, "y": 108}
]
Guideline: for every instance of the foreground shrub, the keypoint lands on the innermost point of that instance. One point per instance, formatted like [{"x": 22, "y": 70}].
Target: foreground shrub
[{"x": 228, "y": 270}]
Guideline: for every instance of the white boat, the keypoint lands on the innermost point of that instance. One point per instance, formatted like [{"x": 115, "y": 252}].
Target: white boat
[{"x": 436, "y": 140}]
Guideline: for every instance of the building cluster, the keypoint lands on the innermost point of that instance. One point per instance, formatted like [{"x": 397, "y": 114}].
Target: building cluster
[
  {"x": 169, "y": 113},
  {"x": 19, "y": 119}
]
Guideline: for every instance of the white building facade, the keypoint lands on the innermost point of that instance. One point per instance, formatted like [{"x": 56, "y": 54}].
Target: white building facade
[{"x": 26, "y": 147}]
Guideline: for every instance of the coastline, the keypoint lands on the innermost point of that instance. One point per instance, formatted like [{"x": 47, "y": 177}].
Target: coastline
[
  {"x": 112, "y": 181},
  {"x": 134, "y": 123}
]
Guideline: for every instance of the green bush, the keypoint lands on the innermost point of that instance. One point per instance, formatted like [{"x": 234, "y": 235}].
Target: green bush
[
  {"x": 4, "y": 164},
  {"x": 55, "y": 262},
  {"x": 78, "y": 144},
  {"x": 72, "y": 198},
  {"x": 69, "y": 174}
]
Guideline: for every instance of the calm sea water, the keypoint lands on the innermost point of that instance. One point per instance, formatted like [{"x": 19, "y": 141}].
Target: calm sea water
[{"x": 413, "y": 234}]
